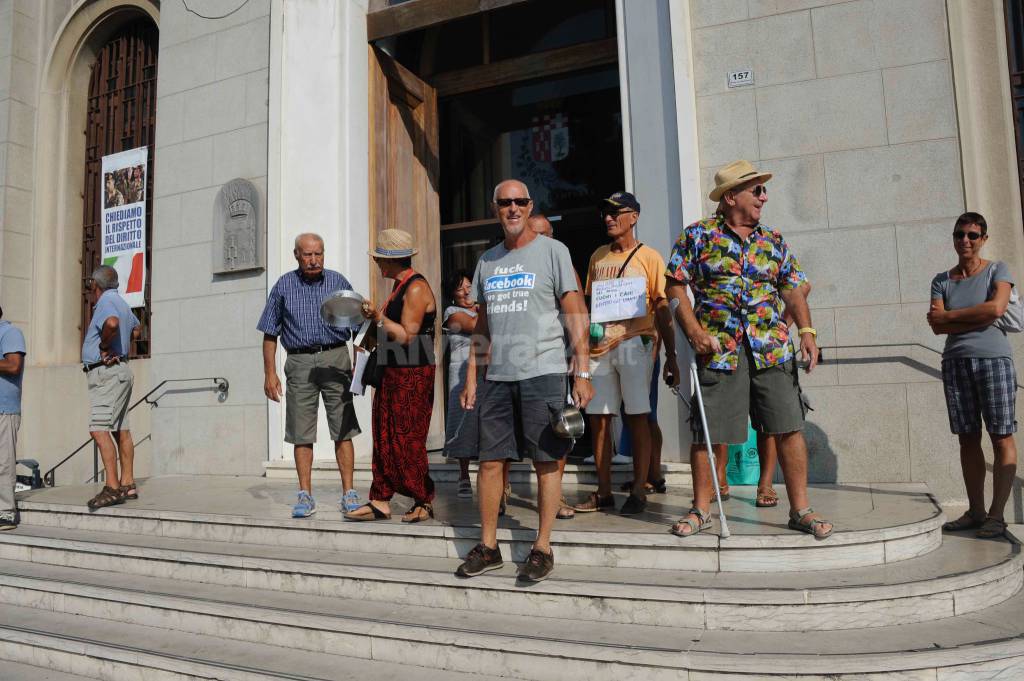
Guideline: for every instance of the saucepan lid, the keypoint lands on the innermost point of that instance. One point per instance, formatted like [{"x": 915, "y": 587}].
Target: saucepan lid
[{"x": 342, "y": 309}]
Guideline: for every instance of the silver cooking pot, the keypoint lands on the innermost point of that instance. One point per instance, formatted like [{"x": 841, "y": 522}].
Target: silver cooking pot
[
  {"x": 568, "y": 421},
  {"x": 342, "y": 309}
]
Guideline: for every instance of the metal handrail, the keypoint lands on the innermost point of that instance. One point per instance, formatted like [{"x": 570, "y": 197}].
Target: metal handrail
[{"x": 220, "y": 384}]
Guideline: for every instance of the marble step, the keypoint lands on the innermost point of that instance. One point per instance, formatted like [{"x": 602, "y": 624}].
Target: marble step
[
  {"x": 963, "y": 576},
  {"x": 876, "y": 525},
  {"x": 985, "y": 645},
  {"x": 111, "y": 650},
  {"x": 14, "y": 671},
  {"x": 441, "y": 470}
]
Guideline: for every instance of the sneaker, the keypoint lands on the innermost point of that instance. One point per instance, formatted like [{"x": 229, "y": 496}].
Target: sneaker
[
  {"x": 7, "y": 524},
  {"x": 350, "y": 501},
  {"x": 538, "y": 566},
  {"x": 634, "y": 505},
  {"x": 304, "y": 505},
  {"x": 620, "y": 460},
  {"x": 481, "y": 559},
  {"x": 465, "y": 490}
]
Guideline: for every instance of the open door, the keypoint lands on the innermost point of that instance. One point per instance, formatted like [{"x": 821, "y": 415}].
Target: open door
[{"x": 404, "y": 182}]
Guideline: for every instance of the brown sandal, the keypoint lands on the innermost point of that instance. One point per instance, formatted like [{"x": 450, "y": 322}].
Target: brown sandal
[
  {"x": 108, "y": 496},
  {"x": 565, "y": 511},
  {"x": 413, "y": 515},
  {"x": 767, "y": 498},
  {"x": 130, "y": 492},
  {"x": 992, "y": 528}
]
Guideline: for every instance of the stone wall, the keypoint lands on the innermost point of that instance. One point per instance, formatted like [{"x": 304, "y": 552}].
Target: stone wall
[
  {"x": 852, "y": 108},
  {"x": 211, "y": 128}
]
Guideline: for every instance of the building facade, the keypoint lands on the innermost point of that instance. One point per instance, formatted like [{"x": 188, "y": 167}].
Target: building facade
[{"x": 882, "y": 121}]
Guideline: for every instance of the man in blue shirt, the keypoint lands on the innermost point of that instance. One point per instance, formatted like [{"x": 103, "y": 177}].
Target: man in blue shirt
[
  {"x": 105, "y": 362},
  {"x": 318, "y": 364},
  {"x": 12, "y": 349}
]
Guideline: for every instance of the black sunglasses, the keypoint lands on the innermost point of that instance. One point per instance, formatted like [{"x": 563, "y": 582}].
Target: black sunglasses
[
  {"x": 615, "y": 212},
  {"x": 759, "y": 190},
  {"x": 505, "y": 203},
  {"x": 973, "y": 236}
]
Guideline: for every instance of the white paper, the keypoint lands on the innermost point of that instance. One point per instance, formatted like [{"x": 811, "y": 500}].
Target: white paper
[
  {"x": 357, "y": 387},
  {"x": 617, "y": 299}
]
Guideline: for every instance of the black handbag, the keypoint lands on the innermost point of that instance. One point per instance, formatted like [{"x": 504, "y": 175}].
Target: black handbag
[{"x": 373, "y": 372}]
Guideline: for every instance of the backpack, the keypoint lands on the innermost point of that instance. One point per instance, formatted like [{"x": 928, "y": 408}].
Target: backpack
[{"x": 1012, "y": 320}]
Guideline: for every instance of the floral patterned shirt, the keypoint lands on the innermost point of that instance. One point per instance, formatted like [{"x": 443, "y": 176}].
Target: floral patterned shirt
[{"x": 736, "y": 285}]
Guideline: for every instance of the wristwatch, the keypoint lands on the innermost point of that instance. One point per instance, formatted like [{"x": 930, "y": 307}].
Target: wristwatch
[{"x": 583, "y": 374}]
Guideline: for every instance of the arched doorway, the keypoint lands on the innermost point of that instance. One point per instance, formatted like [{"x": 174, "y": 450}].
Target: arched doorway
[{"x": 121, "y": 115}]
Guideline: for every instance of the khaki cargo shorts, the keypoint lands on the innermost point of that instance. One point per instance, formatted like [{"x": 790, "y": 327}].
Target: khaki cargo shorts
[
  {"x": 771, "y": 397},
  {"x": 110, "y": 390},
  {"x": 307, "y": 377}
]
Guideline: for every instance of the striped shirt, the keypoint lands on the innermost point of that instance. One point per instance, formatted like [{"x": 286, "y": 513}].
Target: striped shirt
[{"x": 293, "y": 310}]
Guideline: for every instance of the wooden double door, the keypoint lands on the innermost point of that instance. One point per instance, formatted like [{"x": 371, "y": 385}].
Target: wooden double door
[{"x": 404, "y": 185}]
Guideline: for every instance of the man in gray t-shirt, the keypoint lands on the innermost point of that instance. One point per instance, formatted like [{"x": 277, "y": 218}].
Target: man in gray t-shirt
[{"x": 521, "y": 285}]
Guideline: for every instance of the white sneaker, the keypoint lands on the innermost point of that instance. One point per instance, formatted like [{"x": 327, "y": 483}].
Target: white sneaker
[
  {"x": 619, "y": 460},
  {"x": 589, "y": 460}
]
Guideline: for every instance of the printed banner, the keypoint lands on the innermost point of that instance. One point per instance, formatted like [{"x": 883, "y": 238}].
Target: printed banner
[{"x": 123, "y": 230}]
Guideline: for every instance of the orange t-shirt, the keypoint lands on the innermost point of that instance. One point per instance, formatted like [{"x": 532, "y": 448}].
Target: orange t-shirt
[{"x": 647, "y": 263}]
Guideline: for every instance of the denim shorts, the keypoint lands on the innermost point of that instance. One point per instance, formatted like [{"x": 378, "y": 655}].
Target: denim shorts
[
  {"x": 515, "y": 419},
  {"x": 979, "y": 387}
]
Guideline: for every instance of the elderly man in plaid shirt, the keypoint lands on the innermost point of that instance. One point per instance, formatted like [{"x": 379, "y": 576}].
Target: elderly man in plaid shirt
[
  {"x": 741, "y": 272},
  {"x": 318, "y": 365}
]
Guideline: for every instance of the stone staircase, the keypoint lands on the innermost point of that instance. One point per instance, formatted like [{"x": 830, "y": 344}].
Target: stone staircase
[{"x": 207, "y": 578}]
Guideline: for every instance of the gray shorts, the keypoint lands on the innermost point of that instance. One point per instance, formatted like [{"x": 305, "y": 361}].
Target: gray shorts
[
  {"x": 771, "y": 397},
  {"x": 110, "y": 390},
  {"x": 515, "y": 419},
  {"x": 307, "y": 377}
]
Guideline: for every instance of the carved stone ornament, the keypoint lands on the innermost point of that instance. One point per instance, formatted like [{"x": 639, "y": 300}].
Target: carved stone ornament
[{"x": 237, "y": 228}]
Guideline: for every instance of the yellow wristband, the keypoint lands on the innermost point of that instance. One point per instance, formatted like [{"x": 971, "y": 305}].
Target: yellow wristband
[{"x": 808, "y": 329}]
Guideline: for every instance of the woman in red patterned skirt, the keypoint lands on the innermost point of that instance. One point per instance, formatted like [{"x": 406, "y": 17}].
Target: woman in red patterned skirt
[{"x": 405, "y": 398}]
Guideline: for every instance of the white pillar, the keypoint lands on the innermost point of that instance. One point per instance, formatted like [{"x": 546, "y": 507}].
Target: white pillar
[{"x": 318, "y": 179}]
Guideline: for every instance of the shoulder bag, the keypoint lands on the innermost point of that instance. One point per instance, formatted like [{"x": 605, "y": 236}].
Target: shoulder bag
[{"x": 1012, "y": 320}]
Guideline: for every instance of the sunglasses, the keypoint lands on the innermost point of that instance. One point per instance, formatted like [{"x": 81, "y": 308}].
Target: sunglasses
[
  {"x": 615, "y": 213},
  {"x": 759, "y": 190},
  {"x": 505, "y": 203},
  {"x": 973, "y": 236}
]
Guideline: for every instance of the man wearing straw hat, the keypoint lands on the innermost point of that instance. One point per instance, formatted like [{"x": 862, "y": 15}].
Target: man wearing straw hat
[
  {"x": 741, "y": 271},
  {"x": 318, "y": 365}
]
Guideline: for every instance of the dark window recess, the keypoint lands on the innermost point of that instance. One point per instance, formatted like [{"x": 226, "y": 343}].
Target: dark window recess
[
  {"x": 121, "y": 115},
  {"x": 1015, "y": 49},
  {"x": 533, "y": 27}
]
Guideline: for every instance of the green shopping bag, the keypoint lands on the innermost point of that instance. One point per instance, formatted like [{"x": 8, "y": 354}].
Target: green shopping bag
[{"x": 744, "y": 467}]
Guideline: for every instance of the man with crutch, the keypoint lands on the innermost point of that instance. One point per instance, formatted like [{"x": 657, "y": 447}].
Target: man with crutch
[{"x": 741, "y": 272}]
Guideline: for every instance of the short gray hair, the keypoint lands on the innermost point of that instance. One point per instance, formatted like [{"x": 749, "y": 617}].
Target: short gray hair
[
  {"x": 494, "y": 196},
  {"x": 306, "y": 235},
  {"x": 105, "y": 277}
]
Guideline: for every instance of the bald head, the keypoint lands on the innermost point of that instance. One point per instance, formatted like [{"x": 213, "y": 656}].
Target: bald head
[
  {"x": 523, "y": 191},
  {"x": 541, "y": 225}
]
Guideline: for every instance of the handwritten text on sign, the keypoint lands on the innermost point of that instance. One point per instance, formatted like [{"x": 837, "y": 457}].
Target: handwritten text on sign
[{"x": 616, "y": 299}]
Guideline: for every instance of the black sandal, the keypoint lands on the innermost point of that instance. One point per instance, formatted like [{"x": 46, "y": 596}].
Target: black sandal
[
  {"x": 418, "y": 518},
  {"x": 377, "y": 514},
  {"x": 108, "y": 496}
]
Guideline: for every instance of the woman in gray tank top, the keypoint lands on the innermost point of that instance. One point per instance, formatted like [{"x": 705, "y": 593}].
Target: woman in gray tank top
[{"x": 977, "y": 371}]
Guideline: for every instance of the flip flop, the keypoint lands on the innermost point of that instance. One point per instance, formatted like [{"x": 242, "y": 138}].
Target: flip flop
[{"x": 376, "y": 515}]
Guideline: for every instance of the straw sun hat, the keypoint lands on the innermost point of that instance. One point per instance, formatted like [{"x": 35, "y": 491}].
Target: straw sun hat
[
  {"x": 394, "y": 243},
  {"x": 733, "y": 175}
]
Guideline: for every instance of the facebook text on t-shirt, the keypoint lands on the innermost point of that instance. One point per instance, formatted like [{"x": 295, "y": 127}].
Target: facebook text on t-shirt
[{"x": 508, "y": 290}]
